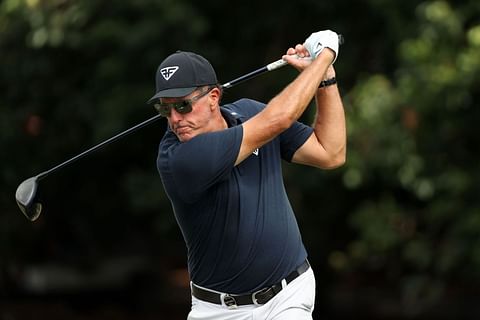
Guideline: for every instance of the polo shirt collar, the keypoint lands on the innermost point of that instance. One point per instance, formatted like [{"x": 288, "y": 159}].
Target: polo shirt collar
[{"x": 233, "y": 118}]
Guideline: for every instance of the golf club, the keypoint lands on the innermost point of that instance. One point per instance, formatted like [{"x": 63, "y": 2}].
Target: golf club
[{"x": 26, "y": 194}]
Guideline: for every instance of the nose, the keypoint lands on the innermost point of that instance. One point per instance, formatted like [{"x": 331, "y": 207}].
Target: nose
[{"x": 175, "y": 116}]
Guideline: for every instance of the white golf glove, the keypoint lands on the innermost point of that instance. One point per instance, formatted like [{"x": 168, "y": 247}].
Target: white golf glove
[{"x": 320, "y": 40}]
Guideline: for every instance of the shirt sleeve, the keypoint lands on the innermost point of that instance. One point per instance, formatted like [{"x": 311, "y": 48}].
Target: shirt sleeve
[
  {"x": 206, "y": 159},
  {"x": 293, "y": 138}
]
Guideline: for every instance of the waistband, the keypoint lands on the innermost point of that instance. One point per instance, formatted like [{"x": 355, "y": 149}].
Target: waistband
[{"x": 259, "y": 297}]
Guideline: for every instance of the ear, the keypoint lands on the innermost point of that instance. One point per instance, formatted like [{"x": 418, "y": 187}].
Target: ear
[{"x": 214, "y": 98}]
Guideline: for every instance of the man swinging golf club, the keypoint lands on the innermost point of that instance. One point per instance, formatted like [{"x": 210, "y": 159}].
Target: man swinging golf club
[{"x": 221, "y": 169}]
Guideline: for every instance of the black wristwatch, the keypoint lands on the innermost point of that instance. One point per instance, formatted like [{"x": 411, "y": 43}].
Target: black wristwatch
[{"x": 328, "y": 82}]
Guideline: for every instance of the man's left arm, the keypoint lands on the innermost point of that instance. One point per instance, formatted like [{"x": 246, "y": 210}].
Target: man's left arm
[{"x": 326, "y": 147}]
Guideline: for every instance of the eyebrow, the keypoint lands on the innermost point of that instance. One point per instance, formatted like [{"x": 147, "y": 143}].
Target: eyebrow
[{"x": 172, "y": 100}]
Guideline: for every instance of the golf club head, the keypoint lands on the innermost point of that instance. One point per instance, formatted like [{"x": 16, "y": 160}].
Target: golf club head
[{"x": 26, "y": 198}]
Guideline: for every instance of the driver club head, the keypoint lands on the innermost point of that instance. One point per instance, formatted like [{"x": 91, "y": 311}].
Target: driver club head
[{"x": 26, "y": 198}]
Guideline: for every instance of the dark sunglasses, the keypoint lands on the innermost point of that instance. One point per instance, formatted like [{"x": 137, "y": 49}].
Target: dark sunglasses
[{"x": 182, "y": 107}]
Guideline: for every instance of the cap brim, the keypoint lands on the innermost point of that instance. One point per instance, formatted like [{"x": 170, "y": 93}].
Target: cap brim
[{"x": 172, "y": 93}]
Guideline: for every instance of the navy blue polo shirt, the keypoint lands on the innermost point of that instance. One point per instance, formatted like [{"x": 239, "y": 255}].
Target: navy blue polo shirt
[{"x": 237, "y": 222}]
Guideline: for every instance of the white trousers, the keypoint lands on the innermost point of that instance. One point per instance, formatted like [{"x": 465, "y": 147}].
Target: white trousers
[{"x": 295, "y": 301}]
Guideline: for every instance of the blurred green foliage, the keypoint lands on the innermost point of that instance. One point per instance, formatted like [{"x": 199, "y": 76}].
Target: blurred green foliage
[{"x": 401, "y": 216}]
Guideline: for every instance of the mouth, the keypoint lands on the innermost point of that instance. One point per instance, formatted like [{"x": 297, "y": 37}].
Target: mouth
[
  {"x": 182, "y": 130},
  {"x": 184, "y": 133}
]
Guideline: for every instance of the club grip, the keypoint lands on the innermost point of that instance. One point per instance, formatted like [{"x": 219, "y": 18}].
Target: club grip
[{"x": 280, "y": 63}]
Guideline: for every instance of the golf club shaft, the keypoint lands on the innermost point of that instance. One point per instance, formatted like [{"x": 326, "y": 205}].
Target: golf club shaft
[
  {"x": 100, "y": 145},
  {"x": 269, "y": 67}
]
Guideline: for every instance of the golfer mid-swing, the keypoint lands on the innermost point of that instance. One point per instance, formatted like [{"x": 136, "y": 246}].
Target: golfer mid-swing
[{"x": 221, "y": 169}]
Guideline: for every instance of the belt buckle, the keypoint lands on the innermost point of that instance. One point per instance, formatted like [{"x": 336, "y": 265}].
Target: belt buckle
[
  {"x": 254, "y": 296},
  {"x": 230, "y": 301}
]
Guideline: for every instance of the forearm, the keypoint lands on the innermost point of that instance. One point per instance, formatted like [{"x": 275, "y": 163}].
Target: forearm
[
  {"x": 329, "y": 124},
  {"x": 295, "y": 98}
]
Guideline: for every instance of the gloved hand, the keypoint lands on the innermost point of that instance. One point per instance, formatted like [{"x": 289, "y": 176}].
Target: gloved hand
[{"x": 320, "y": 40}]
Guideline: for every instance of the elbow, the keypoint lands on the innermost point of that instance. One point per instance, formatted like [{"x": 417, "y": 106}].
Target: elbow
[
  {"x": 340, "y": 157},
  {"x": 336, "y": 161},
  {"x": 339, "y": 161}
]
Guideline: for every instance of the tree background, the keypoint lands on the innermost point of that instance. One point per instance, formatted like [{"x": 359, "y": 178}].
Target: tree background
[{"x": 393, "y": 234}]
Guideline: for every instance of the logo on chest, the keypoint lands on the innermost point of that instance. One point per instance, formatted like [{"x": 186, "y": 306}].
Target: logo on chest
[{"x": 255, "y": 152}]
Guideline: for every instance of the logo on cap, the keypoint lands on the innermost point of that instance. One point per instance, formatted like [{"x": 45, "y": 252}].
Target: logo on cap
[{"x": 168, "y": 72}]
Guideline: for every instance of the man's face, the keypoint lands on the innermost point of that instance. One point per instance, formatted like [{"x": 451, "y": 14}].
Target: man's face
[{"x": 198, "y": 120}]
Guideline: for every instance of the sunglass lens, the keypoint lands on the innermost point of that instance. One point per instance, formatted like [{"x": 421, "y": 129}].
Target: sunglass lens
[
  {"x": 184, "y": 107},
  {"x": 163, "y": 109}
]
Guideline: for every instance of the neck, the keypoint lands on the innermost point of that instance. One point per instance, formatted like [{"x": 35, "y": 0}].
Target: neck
[{"x": 219, "y": 122}]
